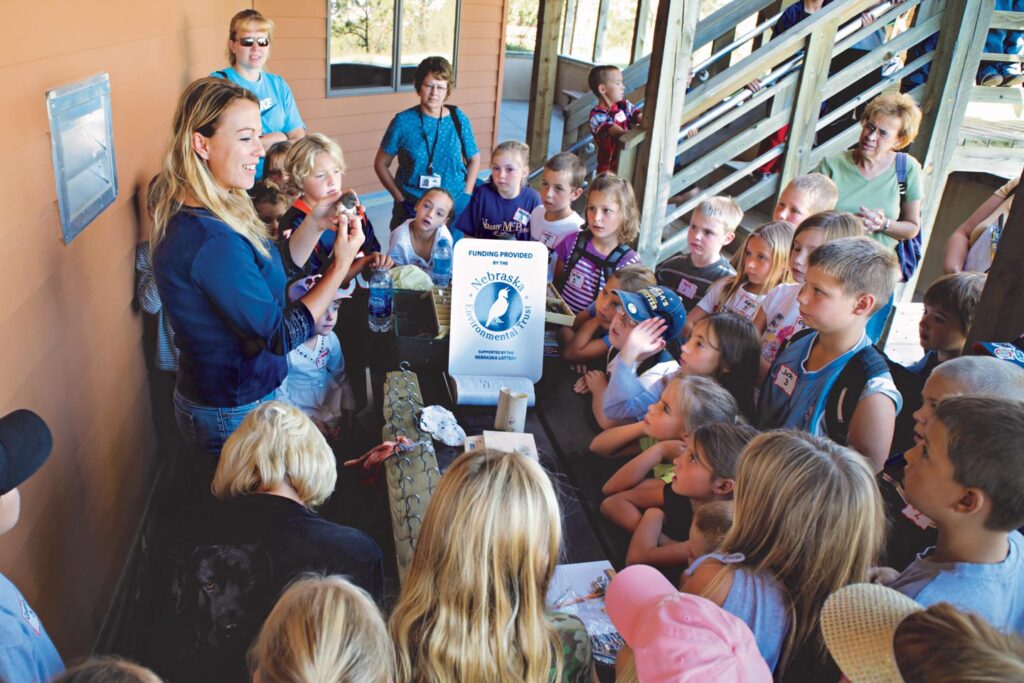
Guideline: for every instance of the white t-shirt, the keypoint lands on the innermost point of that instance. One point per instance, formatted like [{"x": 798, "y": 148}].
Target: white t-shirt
[
  {"x": 402, "y": 253},
  {"x": 782, "y": 311},
  {"x": 742, "y": 303},
  {"x": 551, "y": 233}
]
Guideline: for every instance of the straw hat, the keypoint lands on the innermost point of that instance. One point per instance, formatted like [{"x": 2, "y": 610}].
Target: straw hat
[{"x": 859, "y": 623}]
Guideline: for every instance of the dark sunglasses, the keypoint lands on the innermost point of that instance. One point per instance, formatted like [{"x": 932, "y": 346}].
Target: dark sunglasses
[{"x": 248, "y": 42}]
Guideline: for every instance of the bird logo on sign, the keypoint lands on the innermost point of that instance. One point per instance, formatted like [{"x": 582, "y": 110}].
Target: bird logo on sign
[{"x": 498, "y": 309}]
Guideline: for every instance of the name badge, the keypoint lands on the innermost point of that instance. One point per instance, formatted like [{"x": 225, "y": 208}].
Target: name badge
[
  {"x": 686, "y": 288},
  {"x": 430, "y": 181},
  {"x": 576, "y": 279},
  {"x": 620, "y": 117},
  {"x": 522, "y": 216},
  {"x": 785, "y": 379},
  {"x": 917, "y": 517}
]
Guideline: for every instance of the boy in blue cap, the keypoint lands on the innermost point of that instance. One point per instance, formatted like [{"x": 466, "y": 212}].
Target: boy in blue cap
[
  {"x": 26, "y": 652},
  {"x": 640, "y": 371}
]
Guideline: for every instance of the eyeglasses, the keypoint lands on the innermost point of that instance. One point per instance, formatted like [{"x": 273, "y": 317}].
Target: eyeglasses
[{"x": 249, "y": 42}]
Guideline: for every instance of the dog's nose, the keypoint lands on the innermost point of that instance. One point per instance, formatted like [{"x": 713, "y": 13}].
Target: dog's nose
[{"x": 230, "y": 630}]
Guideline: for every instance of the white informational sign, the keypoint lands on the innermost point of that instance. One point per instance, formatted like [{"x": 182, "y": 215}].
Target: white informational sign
[{"x": 498, "y": 302}]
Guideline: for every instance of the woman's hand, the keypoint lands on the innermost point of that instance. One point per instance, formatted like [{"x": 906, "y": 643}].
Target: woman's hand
[
  {"x": 874, "y": 219},
  {"x": 350, "y": 239}
]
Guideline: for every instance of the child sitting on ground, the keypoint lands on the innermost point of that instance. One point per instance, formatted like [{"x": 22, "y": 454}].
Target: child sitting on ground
[
  {"x": 687, "y": 403},
  {"x": 910, "y": 531},
  {"x": 779, "y": 318},
  {"x": 316, "y": 382},
  {"x": 704, "y": 473},
  {"x": 315, "y": 167},
  {"x": 271, "y": 203},
  {"x": 585, "y": 261},
  {"x": 722, "y": 346},
  {"x": 948, "y": 313},
  {"x": 561, "y": 184},
  {"x": 630, "y": 307},
  {"x": 805, "y": 196},
  {"x": 612, "y": 116},
  {"x": 412, "y": 242},
  {"x": 967, "y": 475},
  {"x": 501, "y": 207},
  {"x": 472, "y": 606},
  {"x": 808, "y": 521},
  {"x": 847, "y": 280},
  {"x": 589, "y": 337},
  {"x": 762, "y": 265},
  {"x": 323, "y": 628},
  {"x": 712, "y": 226}
]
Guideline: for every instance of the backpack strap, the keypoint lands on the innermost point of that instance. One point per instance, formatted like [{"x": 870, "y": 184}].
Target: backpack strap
[
  {"x": 846, "y": 390},
  {"x": 799, "y": 335},
  {"x": 901, "y": 173},
  {"x": 457, "y": 122},
  {"x": 579, "y": 248}
]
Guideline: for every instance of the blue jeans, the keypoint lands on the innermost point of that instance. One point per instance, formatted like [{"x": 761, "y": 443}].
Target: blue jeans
[{"x": 206, "y": 428}]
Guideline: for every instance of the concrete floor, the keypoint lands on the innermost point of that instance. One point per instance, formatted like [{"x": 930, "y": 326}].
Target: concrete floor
[{"x": 512, "y": 126}]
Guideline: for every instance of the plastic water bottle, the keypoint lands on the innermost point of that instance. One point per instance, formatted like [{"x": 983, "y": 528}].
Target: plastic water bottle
[
  {"x": 442, "y": 262},
  {"x": 380, "y": 300}
]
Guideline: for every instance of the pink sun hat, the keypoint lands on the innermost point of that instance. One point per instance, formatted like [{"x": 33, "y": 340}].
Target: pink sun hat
[{"x": 681, "y": 638}]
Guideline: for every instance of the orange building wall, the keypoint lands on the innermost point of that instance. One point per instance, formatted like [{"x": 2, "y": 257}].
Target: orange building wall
[
  {"x": 70, "y": 343},
  {"x": 358, "y": 123}
]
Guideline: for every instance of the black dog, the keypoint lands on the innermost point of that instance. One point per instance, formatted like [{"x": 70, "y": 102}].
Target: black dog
[{"x": 222, "y": 594}]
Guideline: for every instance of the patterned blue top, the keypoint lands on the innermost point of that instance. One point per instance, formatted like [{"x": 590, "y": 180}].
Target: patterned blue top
[
  {"x": 226, "y": 302},
  {"x": 411, "y": 134}
]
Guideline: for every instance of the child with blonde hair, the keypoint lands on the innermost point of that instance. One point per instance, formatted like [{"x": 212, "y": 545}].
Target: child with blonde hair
[
  {"x": 808, "y": 520},
  {"x": 761, "y": 265},
  {"x": 712, "y": 227},
  {"x": 805, "y": 196},
  {"x": 585, "y": 261},
  {"x": 315, "y": 166},
  {"x": 472, "y": 607},
  {"x": 778, "y": 317},
  {"x": 323, "y": 629},
  {"x": 501, "y": 207},
  {"x": 704, "y": 473}
]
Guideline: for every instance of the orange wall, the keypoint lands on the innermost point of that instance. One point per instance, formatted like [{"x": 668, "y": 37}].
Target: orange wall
[
  {"x": 70, "y": 344},
  {"x": 358, "y": 123}
]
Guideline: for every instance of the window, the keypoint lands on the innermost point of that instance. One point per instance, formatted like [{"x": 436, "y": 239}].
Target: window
[{"x": 366, "y": 41}]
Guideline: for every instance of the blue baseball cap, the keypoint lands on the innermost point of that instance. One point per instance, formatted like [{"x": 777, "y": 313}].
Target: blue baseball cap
[
  {"x": 656, "y": 302},
  {"x": 1012, "y": 352}
]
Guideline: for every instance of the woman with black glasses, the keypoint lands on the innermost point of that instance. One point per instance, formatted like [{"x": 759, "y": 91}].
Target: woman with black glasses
[{"x": 248, "y": 50}]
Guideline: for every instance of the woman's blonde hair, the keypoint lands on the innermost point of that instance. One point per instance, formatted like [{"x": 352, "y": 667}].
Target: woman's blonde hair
[
  {"x": 943, "y": 645},
  {"x": 248, "y": 20},
  {"x": 472, "y": 605},
  {"x": 302, "y": 157},
  {"x": 186, "y": 176},
  {"x": 897, "y": 105},
  {"x": 622, "y": 194},
  {"x": 323, "y": 629},
  {"x": 778, "y": 235},
  {"x": 276, "y": 444},
  {"x": 807, "y": 512}
]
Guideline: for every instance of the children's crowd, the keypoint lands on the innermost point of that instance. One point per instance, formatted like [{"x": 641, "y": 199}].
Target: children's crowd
[{"x": 825, "y": 511}]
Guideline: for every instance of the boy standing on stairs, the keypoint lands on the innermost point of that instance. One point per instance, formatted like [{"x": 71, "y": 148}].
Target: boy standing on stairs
[{"x": 612, "y": 116}]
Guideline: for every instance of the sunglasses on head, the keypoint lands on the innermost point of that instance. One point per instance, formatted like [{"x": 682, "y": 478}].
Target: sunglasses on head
[{"x": 249, "y": 42}]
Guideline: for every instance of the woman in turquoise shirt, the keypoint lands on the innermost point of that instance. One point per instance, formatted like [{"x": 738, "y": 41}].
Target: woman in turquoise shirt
[{"x": 249, "y": 41}]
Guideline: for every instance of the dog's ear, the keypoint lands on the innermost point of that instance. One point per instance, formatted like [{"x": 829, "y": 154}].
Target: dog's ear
[
  {"x": 262, "y": 565},
  {"x": 179, "y": 588}
]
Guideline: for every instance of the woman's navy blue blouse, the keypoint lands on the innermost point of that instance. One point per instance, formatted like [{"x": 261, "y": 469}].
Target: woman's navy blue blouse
[{"x": 226, "y": 303}]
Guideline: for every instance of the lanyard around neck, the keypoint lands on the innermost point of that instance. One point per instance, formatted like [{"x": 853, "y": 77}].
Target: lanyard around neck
[{"x": 426, "y": 143}]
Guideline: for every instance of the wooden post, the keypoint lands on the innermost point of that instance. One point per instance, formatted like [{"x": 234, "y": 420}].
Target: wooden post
[
  {"x": 543, "y": 79},
  {"x": 600, "y": 30},
  {"x": 674, "y": 32},
  {"x": 965, "y": 25},
  {"x": 999, "y": 315},
  {"x": 721, "y": 41},
  {"x": 807, "y": 106},
  {"x": 643, "y": 14}
]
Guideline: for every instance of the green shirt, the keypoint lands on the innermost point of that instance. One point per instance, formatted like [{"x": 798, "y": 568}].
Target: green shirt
[{"x": 882, "y": 192}]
